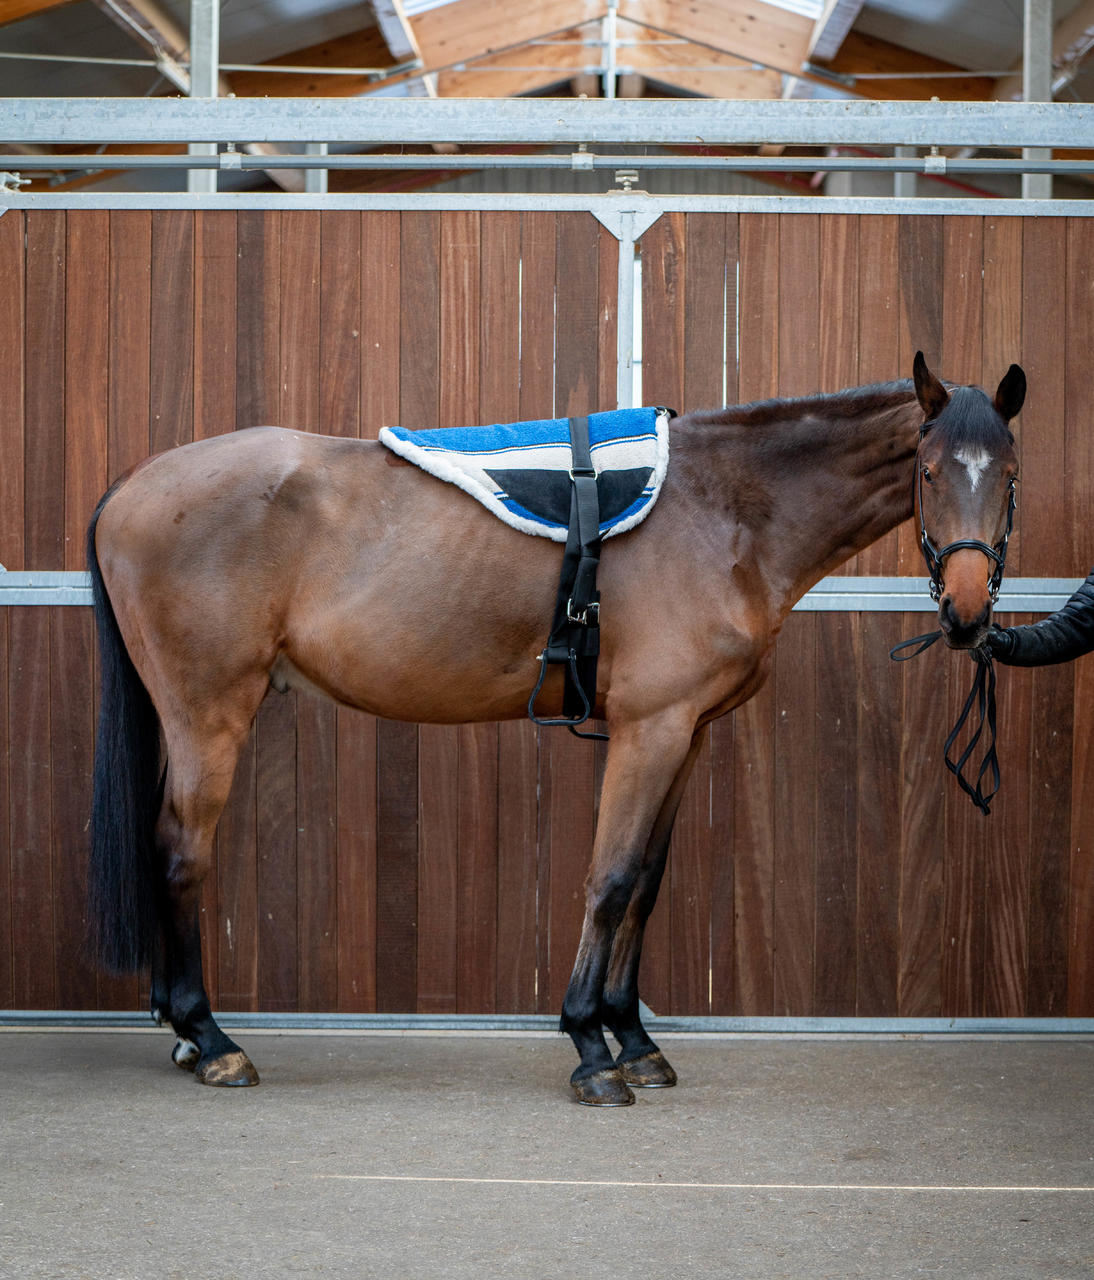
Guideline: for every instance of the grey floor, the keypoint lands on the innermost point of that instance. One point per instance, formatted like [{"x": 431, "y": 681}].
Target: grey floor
[{"x": 462, "y": 1156}]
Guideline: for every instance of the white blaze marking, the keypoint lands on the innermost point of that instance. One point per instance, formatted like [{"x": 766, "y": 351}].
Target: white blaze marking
[{"x": 975, "y": 462}]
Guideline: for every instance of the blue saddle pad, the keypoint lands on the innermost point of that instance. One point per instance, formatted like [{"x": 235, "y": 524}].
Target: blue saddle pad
[{"x": 521, "y": 470}]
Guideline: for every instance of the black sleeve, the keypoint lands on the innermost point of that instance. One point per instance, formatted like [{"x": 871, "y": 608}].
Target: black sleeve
[{"x": 1062, "y": 636}]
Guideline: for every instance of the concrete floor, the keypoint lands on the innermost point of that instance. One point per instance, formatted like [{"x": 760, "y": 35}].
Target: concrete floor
[{"x": 422, "y": 1156}]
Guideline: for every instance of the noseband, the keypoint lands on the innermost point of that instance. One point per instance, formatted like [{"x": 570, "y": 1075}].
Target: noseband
[{"x": 935, "y": 556}]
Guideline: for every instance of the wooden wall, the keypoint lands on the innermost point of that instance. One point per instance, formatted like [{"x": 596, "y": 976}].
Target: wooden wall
[{"x": 824, "y": 863}]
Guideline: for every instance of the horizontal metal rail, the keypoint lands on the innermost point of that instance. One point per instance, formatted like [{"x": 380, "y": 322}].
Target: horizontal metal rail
[
  {"x": 851, "y": 594},
  {"x": 715, "y": 122},
  {"x": 848, "y": 1027},
  {"x": 637, "y": 202},
  {"x": 930, "y": 165}
]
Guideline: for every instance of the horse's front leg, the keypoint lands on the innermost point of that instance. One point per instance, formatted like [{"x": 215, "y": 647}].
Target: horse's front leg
[
  {"x": 640, "y": 1062},
  {"x": 644, "y": 761}
]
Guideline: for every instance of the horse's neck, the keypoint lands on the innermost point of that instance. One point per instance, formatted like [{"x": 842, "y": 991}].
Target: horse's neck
[{"x": 832, "y": 486}]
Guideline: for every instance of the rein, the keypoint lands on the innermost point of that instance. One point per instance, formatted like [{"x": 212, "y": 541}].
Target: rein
[{"x": 982, "y": 693}]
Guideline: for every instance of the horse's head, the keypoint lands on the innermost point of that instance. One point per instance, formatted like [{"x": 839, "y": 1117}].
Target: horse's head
[{"x": 966, "y": 469}]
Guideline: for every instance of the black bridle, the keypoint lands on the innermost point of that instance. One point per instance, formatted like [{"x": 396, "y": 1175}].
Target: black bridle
[
  {"x": 982, "y": 693},
  {"x": 934, "y": 556}
]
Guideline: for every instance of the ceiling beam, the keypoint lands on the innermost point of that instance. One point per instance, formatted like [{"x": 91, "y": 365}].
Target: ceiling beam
[
  {"x": 366, "y": 48},
  {"x": 779, "y": 40},
  {"x": 693, "y": 68},
  {"x": 15, "y": 10},
  {"x": 750, "y": 30},
  {"x": 861, "y": 54},
  {"x": 468, "y": 29},
  {"x": 396, "y": 30},
  {"x": 831, "y": 28}
]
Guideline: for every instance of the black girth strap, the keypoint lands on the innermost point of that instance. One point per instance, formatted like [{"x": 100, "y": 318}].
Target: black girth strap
[{"x": 574, "y": 642}]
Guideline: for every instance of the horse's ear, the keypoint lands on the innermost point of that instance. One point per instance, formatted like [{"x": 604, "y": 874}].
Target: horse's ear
[
  {"x": 1011, "y": 394},
  {"x": 931, "y": 394}
]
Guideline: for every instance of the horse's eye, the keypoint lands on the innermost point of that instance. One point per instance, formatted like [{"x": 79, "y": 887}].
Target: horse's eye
[{"x": 927, "y": 475}]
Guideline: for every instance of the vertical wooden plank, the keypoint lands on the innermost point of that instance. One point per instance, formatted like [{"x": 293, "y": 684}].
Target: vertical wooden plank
[
  {"x": 356, "y": 892},
  {"x": 796, "y": 777},
  {"x": 31, "y": 810},
  {"x": 216, "y": 290},
  {"x": 1041, "y": 431},
  {"x": 921, "y": 301},
  {"x": 1080, "y": 903},
  {"x": 1008, "y": 834},
  {"x": 1080, "y": 462},
  {"x": 258, "y": 315},
  {"x": 664, "y": 309},
  {"x": 12, "y": 391},
  {"x": 499, "y": 379},
  {"x": 7, "y": 959},
  {"x": 923, "y": 836},
  {"x": 428, "y": 267},
  {"x": 299, "y": 353},
  {"x": 795, "y": 830},
  {"x": 438, "y": 867},
  {"x": 277, "y": 873},
  {"x": 396, "y": 867},
  {"x": 171, "y": 387},
  {"x": 538, "y": 250},
  {"x": 692, "y": 860},
  {"x": 567, "y": 805},
  {"x": 316, "y": 842},
  {"x": 44, "y": 390},
  {"x": 835, "y": 978},
  {"x": 381, "y": 319},
  {"x": 966, "y": 832},
  {"x": 87, "y": 254},
  {"x": 478, "y": 869},
  {"x": 130, "y": 336},
  {"x": 607, "y": 302},
  {"x": 878, "y": 687},
  {"x": 879, "y": 344},
  {"x": 340, "y": 323},
  {"x": 72, "y": 735},
  {"x": 838, "y": 641},
  {"x": 236, "y": 869},
  {"x": 317, "y": 848},
  {"x": 754, "y": 760},
  {"x": 723, "y": 945}
]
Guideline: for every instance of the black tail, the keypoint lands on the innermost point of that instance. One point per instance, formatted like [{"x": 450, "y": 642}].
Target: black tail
[{"x": 122, "y": 875}]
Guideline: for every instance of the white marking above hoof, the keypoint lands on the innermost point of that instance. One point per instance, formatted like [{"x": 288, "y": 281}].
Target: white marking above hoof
[{"x": 185, "y": 1054}]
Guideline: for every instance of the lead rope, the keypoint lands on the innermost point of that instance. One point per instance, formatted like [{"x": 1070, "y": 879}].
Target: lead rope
[{"x": 982, "y": 694}]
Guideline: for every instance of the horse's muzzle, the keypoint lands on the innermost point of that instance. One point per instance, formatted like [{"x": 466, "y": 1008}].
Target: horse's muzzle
[{"x": 961, "y": 632}]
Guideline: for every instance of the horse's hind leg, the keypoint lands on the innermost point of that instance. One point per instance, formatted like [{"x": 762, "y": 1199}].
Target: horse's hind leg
[
  {"x": 199, "y": 777},
  {"x": 643, "y": 763}
]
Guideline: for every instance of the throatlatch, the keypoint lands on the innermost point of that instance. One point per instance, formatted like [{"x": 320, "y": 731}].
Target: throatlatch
[{"x": 574, "y": 642}]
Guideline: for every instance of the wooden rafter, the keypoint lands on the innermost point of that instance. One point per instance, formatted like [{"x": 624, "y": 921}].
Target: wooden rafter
[
  {"x": 453, "y": 33},
  {"x": 396, "y": 30},
  {"x": 15, "y": 10},
  {"x": 831, "y": 28}
]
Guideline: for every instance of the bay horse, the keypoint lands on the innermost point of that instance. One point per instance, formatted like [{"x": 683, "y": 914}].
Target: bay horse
[{"x": 271, "y": 558}]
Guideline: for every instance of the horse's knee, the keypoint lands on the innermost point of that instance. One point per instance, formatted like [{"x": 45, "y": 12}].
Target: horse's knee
[{"x": 608, "y": 894}]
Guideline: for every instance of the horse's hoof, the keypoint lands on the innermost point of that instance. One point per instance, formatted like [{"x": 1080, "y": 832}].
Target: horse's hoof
[
  {"x": 651, "y": 1071},
  {"x": 185, "y": 1054},
  {"x": 605, "y": 1088},
  {"x": 229, "y": 1069}
]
